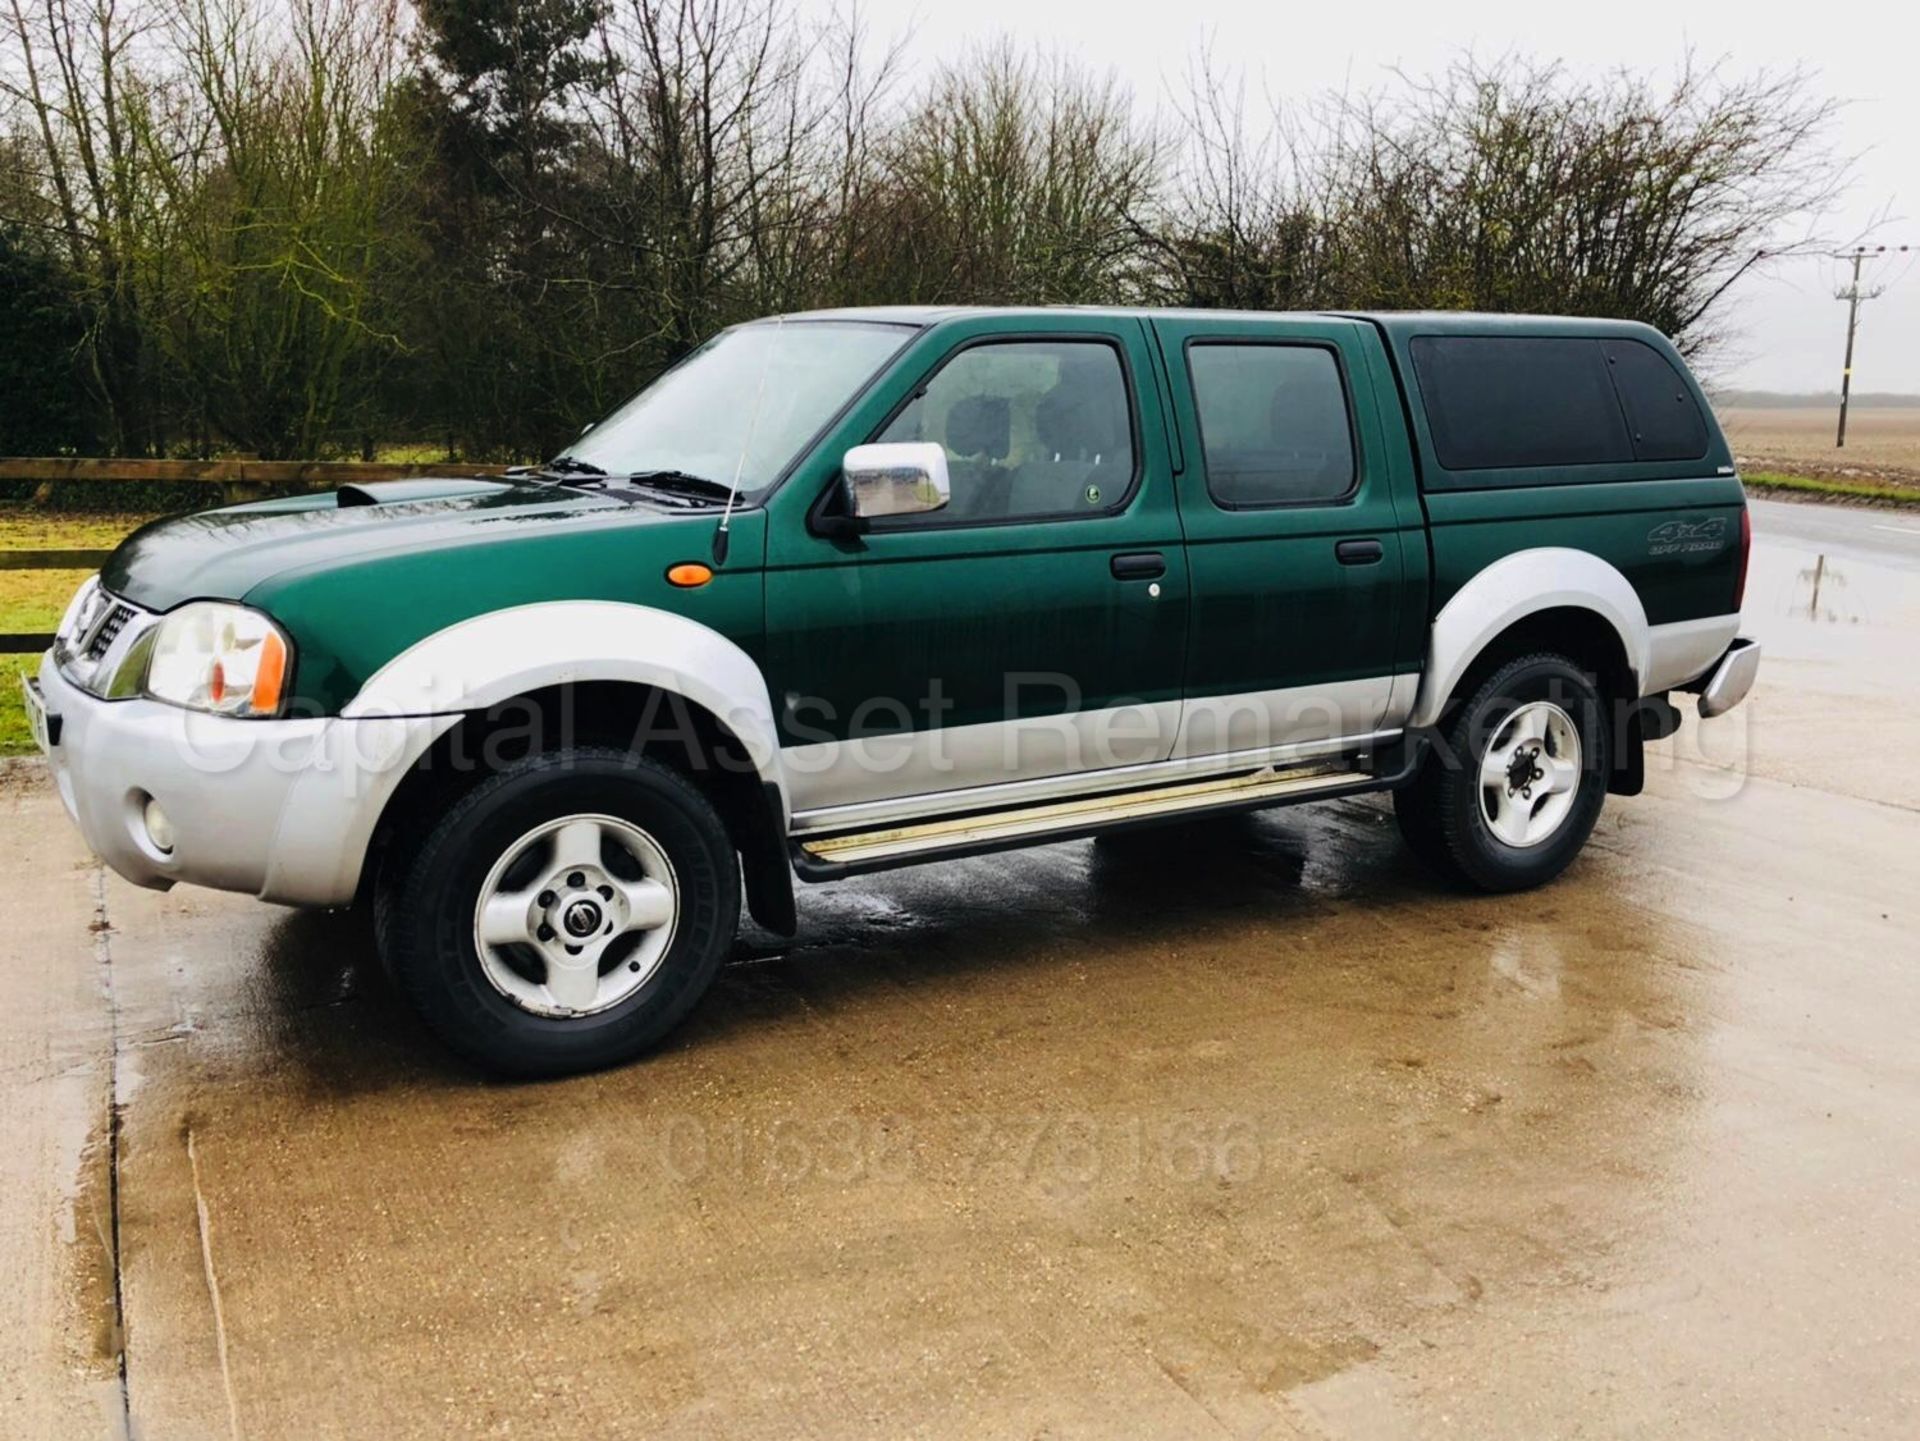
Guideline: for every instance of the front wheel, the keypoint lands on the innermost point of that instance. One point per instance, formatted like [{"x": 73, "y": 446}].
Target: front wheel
[
  {"x": 1516, "y": 779},
  {"x": 564, "y": 914}
]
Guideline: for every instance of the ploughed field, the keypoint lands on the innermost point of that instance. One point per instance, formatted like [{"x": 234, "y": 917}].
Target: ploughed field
[{"x": 1883, "y": 442}]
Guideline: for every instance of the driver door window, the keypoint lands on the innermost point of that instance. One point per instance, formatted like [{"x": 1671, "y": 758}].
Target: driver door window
[{"x": 1032, "y": 429}]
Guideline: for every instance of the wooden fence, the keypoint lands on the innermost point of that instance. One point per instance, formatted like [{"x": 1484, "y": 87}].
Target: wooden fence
[{"x": 229, "y": 482}]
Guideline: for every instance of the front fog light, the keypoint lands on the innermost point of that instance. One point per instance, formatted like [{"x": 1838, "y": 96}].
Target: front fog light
[{"x": 159, "y": 828}]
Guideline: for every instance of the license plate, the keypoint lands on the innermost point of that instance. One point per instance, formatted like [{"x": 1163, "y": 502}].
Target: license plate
[{"x": 36, "y": 713}]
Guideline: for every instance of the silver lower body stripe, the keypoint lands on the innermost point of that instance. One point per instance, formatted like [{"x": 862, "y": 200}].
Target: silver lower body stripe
[{"x": 901, "y": 810}]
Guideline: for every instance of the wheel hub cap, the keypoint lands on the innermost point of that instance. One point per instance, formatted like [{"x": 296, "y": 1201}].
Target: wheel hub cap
[
  {"x": 1524, "y": 771},
  {"x": 582, "y": 918},
  {"x": 1530, "y": 774},
  {"x": 576, "y": 915}
]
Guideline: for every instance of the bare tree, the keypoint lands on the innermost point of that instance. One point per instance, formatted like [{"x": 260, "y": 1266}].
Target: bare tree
[
  {"x": 285, "y": 220},
  {"x": 1014, "y": 179},
  {"x": 290, "y": 225},
  {"x": 1248, "y": 225},
  {"x": 1511, "y": 186},
  {"x": 76, "y": 87}
]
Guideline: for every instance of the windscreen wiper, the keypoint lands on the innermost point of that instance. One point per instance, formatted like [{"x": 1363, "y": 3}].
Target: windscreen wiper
[
  {"x": 680, "y": 481},
  {"x": 564, "y": 467}
]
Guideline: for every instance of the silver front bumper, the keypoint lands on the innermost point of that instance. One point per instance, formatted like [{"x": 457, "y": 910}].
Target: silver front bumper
[
  {"x": 280, "y": 809},
  {"x": 1731, "y": 679}
]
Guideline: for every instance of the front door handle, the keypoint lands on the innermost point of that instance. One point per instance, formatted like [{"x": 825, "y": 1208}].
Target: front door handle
[
  {"x": 1139, "y": 565},
  {"x": 1359, "y": 552}
]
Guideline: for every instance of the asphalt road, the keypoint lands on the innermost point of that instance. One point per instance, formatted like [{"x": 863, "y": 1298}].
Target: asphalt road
[
  {"x": 1891, "y": 536},
  {"x": 1247, "y": 1129}
]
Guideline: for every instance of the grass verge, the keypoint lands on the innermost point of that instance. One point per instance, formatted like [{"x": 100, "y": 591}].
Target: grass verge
[
  {"x": 15, "y": 739},
  {"x": 25, "y": 527},
  {"x": 33, "y": 600},
  {"x": 1855, "y": 490}
]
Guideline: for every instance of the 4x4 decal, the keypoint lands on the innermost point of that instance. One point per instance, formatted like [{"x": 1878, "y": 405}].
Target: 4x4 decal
[{"x": 1687, "y": 537}]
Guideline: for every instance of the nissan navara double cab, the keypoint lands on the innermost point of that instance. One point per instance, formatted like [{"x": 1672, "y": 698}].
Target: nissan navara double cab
[{"x": 865, "y": 588}]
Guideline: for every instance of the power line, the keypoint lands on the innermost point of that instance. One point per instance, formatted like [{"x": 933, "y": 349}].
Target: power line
[{"x": 1853, "y": 295}]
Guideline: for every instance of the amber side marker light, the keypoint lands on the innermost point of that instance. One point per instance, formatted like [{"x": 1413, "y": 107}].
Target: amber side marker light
[
  {"x": 689, "y": 573},
  {"x": 269, "y": 676}
]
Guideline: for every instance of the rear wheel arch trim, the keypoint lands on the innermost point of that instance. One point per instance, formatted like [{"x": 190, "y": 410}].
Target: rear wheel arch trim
[{"x": 1526, "y": 583}]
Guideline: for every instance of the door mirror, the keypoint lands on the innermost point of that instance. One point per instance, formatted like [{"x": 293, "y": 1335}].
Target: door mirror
[{"x": 900, "y": 478}]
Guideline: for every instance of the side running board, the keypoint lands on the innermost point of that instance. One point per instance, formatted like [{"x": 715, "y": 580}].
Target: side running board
[{"x": 819, "y": 858}]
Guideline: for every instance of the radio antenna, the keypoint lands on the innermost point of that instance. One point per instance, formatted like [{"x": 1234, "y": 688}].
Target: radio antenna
[{"x": 723, "y": 535}]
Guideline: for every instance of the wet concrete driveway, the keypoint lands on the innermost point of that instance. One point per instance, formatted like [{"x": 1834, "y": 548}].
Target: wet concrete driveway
[{"x": 1246, "y": 1129}]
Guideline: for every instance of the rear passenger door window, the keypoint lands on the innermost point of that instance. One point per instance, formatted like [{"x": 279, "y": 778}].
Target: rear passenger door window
[
  {"x": 1275, "y": 427},
  {"x": 1033, "y": 429},
  {"x": 1301, "y": 595}
]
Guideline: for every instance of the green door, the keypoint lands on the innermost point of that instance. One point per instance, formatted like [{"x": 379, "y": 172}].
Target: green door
[
  {"x": 1301, "y": 531},
  {"x": 1036, "y": 626}
]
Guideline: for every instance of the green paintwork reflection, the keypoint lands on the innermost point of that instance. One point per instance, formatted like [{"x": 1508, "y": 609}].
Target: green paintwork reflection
[
  {"x": 931, "y": 622},
  {"x": 224, "y": 554},
  {"x": 1473, "y": 529},
  {"x": 347, "y": 620},
  {"x": 1274, "y": 607}
]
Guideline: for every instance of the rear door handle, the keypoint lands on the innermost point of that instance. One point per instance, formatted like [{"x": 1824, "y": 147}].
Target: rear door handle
[
  {"x": 1139, "y": 565},
  {"x": 1359, "y": 552}
]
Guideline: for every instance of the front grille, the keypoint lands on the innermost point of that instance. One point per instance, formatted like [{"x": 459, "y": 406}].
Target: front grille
[{"x": 108, "y": 631}]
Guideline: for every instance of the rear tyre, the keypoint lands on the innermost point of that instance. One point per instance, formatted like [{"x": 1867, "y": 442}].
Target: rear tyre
[
  {"x": 564, "y": 914},
  {"x": 1516, "y": 781}
]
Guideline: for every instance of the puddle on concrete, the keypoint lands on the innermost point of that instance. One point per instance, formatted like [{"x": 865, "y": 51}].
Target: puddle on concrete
[{"x": 1853, "y": 615}]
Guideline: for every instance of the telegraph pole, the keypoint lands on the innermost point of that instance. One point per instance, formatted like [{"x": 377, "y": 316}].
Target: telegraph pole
[{"x": 1853, "y": 295}]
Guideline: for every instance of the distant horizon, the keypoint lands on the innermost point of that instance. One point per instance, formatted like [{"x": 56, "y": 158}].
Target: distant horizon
[{"x": 1728, "y": 395}]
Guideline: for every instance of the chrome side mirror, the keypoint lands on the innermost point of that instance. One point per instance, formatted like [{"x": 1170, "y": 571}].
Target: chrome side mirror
[{"x": 900, "y": 478}]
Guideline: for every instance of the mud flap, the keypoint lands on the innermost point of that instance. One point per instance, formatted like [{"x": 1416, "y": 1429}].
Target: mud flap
[
  {"x": 765, "y": 866},
  {"x": 1651, "y": 718}
]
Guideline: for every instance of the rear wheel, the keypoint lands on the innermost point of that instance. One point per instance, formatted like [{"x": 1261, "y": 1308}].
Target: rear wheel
[
  {"x": 1517, "y": 780},
  {"x": 564, "y": 914}
]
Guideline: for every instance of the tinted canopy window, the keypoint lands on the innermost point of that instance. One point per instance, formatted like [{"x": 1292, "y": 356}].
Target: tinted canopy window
[
  {"x": 1031, "y": 429},
  {"x": 1661, "y": 411},
  {"x": 1273, "y": 423},
  {"x": 1499, "y": 402}
]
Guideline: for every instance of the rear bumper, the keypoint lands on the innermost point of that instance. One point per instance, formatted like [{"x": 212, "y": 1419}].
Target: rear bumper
[
  {"x": 1727, "y": 684},
  {"x": 280, "y": 809}
]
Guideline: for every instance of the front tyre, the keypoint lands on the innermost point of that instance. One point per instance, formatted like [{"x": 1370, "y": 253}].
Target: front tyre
[
  {"x": 1516, "y": 780},
  {"x": 564, "y": 914}
]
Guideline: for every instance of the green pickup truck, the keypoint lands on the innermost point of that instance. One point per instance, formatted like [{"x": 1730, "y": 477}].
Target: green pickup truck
[{"x": 865, "y": 588}]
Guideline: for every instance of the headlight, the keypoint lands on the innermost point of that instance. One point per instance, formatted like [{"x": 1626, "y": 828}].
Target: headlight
[
  {"x": 216, "y": 657},
  {"x": 82, "y": 602}
]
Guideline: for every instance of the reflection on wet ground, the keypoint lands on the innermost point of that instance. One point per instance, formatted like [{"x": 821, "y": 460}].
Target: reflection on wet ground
[
  {"x": 1139, "y": 1131},
  {"x": 1805, "y": 591}
]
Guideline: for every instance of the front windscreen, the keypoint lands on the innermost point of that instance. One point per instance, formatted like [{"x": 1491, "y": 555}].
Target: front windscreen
[{"x": 744, "y": 403}]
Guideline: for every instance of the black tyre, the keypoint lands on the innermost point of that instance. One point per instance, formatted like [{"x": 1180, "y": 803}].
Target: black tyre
[
  {"x": 564, "y": 914},
  {"x": 1516, "y": 780}
]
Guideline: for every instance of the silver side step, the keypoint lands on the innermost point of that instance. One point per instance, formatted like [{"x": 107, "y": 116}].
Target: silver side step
[{"x": 991, "y": 828}]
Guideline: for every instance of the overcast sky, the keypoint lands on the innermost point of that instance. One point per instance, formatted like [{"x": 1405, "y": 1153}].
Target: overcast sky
[{"x": 1792, "y": 330}]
